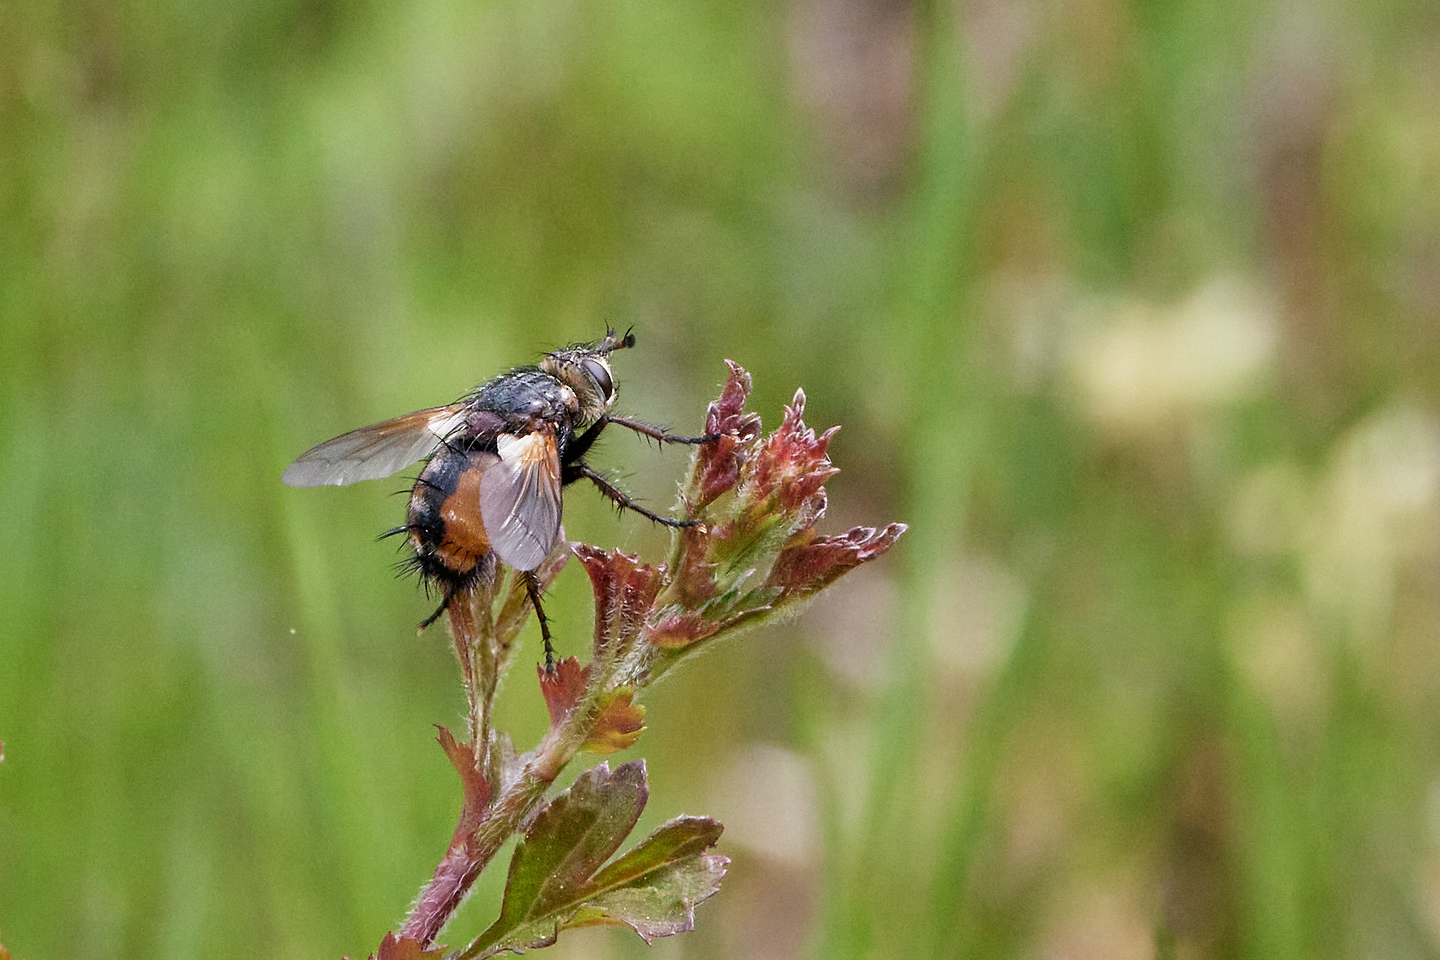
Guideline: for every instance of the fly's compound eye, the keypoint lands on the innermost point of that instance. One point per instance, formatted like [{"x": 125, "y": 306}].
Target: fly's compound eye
[{"x": 597, "y": 372}]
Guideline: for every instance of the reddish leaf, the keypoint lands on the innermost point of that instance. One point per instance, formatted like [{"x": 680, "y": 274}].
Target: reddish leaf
[
  {"x": 477, "y": 788},
  {"x": 624, "y": 590},
  {"x": 694, "y": 575},
  {"x": 448, "y": 886},
  {"x": 619, "y": 724},
  {"x": 677, "y": 630},
  {"x": 563, "y": 688},
  {"x": 395, "y": 948}
]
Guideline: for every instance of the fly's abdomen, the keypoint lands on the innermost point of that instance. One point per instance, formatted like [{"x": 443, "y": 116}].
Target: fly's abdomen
[{"x": 445, "y": 527}]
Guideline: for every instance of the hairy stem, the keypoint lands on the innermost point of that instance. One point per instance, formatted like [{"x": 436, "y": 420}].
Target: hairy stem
[
  {"x": 483, "y": 644},
  {"x": 469, "y": 855},
  {"x": 461, "y": 614},
  {"x": 472, "y": 849}
]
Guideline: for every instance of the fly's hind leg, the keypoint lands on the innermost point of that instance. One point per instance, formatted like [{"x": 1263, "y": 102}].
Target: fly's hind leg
[{"x": 532, "y": 589}]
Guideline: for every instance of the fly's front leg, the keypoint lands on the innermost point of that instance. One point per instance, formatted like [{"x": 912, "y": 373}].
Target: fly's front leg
[
  {"x": 579, "y": 468},
  {"x": 656, "y": 433}
]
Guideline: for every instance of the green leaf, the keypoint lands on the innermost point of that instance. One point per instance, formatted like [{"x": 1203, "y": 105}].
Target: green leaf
[{"x": 558, "y": 878}]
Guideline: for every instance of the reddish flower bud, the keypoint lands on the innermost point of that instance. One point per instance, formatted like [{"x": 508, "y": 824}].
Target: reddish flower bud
[
  {"x": 791, "y": 463},
  {"x": 812, "y": 562},
  {"x": 718, "y": 463},
  {"x": 750, "y": 555}
]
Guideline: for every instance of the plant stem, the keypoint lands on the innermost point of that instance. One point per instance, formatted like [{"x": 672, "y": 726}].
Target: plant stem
[
  {"x": 461, "y": 615},
  {"x": 470, "y": 852},
  {"x": 481, "y": 643}
]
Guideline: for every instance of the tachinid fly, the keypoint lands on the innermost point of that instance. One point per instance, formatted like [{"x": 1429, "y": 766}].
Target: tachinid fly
[{"x": 497, "y": 461}]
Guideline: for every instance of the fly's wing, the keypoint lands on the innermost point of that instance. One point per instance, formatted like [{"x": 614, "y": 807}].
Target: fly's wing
[
  {"x": 376, "y": 451},
  {"x": 520, "y": 498}
]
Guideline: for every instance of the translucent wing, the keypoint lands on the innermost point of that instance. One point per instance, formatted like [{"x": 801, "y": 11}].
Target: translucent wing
[
  {"x": 376, "y": 451},
  {"x": 520, "y": 499}
]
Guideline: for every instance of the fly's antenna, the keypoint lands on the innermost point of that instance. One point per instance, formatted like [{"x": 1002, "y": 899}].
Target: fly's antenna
[{"x": 611, "y": 343}]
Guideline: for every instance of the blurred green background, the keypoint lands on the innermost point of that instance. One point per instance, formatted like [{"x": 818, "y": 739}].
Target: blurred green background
[{"x": 1130, "y": 309}]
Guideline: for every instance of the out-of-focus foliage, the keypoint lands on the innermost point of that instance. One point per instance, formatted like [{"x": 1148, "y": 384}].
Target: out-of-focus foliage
[{"x": 1129, "y": 309}]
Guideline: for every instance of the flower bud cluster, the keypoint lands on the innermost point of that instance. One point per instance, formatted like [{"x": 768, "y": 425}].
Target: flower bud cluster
[{"x": 753, "y": 553}]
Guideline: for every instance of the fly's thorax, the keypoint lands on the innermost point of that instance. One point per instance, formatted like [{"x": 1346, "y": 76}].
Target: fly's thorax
[{"x": 516, "y": 402}]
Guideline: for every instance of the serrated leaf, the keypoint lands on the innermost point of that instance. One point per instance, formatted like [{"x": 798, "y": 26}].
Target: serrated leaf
[
  {"x": 625, "y": 589},
  {"x": 619, "y": 721},
  {"x": 653, "y": 889},
  {"x": 558, "y": 877}
]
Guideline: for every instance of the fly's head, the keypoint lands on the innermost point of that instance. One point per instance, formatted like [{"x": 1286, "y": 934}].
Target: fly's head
[{"x": 585, "y": 369}]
